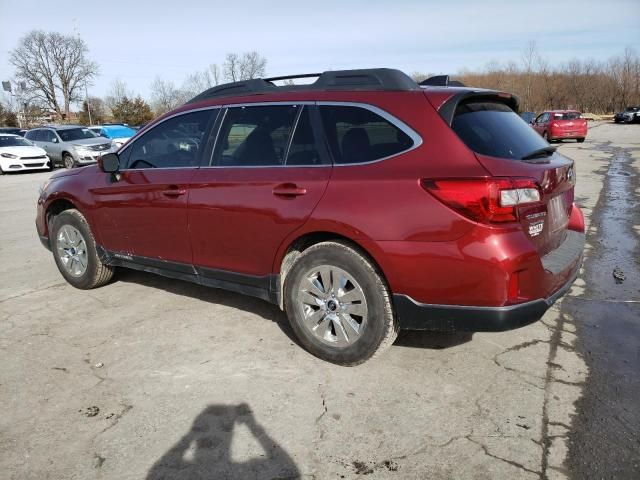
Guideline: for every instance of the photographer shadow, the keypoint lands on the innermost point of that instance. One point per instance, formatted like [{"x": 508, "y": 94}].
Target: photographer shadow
[{"x": 205, "y": 451}]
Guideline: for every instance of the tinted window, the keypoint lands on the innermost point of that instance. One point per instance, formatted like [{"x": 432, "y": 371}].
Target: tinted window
[
  {"x": 494, "y": 129},
  {"x": 173, "y": 143},
  {"x": 47, "y": 136},
  {"x": 10, "y": 141},
  {"x": 566, "y": 116},
  {"x": 31, "y": 134},
  {"x": 358, "y": 135},
  {"x": 303, "y": 150},
  {"x": 255, "y": 136},
  {"x": 71, "y": 134}
]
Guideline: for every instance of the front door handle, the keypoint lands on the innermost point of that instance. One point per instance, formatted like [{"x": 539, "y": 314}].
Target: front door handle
[
  {"x": 174, "y": 192},
  {"x": 289, "y": 190}
]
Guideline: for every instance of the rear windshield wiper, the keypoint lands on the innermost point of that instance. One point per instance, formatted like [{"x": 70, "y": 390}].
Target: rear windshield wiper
[{"x": 540, "y": 152}]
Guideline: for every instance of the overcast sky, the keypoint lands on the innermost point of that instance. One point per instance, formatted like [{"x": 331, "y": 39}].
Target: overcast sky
[{"x": 136, "y": 40}]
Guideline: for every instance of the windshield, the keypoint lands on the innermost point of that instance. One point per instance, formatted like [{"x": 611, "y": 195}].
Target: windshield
[
  {"x": 566, "y": 116},
  {"x": 492, "y": 128},
  {"x": 71, "y": 134},
  {"x": 119, "y": 132},
  {"x": 7, "y": 141}
]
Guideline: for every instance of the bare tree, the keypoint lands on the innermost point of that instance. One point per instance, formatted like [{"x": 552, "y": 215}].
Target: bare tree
[
  {"x": 53, "y": 65},
  {"x": 117, "y": 92},
  {"x": 243, "y": 67},
  {"x": 200, "y": 81},
  {"x": 166, "y": 96},
  {"x": 528, "y": 57}
]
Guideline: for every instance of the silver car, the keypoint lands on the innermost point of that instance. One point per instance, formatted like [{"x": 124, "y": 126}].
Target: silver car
[{"x": 71, "y": 145}]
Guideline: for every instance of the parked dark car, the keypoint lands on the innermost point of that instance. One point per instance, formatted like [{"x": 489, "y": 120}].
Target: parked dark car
[
  {"x": 12, "y": 131},
  {"x": 360, "y": 204},
  {"x": 629, "y": 115},
  {"x": 528, "y": 117}
]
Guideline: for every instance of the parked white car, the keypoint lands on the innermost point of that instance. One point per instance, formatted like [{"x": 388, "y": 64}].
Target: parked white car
[{"x": 18, "y": 154}]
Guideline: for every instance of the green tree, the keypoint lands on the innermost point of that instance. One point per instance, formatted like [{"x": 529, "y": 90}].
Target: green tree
[
  {"x": 96, "y": 105},
  {"x": 133, "y": 111}
]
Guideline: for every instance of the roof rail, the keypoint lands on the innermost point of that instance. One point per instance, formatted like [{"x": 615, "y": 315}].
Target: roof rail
[
  {"x": 440, "y": 81},
  {"x": 364, "y": 79}
]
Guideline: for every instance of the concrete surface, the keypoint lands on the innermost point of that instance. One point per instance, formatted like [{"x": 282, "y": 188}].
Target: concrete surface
[{"x": 154, "y": 378}]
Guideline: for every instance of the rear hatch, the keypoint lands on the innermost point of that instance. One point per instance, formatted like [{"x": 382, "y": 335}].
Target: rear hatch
[
  {"x": 567, "y": 124},
  {"x": 529, "y": 176}
]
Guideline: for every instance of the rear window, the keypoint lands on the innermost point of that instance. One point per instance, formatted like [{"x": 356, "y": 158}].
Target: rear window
[
  {"x": 358, "y": 135},
  {"x": 566, "y": 116},
  {"x": 493, "y": 129}
]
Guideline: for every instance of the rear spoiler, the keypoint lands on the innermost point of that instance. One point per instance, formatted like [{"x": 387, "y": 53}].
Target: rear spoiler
[{"x": 448, "y": 109}]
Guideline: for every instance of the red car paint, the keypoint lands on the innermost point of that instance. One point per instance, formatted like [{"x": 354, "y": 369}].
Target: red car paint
[
  {"x": 231, "y": 219},
  {"x": 553, "y": 125}
]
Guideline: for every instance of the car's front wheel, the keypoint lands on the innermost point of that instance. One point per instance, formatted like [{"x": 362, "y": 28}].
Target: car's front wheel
[
  {"x": 74, "y": 250},
  {"x": 580, "y": 140},
  {"x": 338, "y": 304},
  {"x": 68, "y": 161}
]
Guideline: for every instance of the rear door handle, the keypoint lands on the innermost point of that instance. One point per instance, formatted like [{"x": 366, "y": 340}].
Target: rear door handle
[
  {"x": 289, "y": 190},
  {"x": 174, "y": 192}
]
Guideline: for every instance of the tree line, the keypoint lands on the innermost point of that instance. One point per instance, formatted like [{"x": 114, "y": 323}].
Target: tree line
[
  {"x": 54, "y": 71},
  {"x": 599, "y": 87}
]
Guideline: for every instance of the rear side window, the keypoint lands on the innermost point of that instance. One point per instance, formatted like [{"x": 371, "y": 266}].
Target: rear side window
[
  {"x": 358, "y": 135},
  {"x": 255, "y": 136},
  {"x": 492, "y": 128},
  {"x": 30, "y": 135}
]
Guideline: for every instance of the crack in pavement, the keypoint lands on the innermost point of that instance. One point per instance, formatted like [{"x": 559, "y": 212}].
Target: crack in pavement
[
  {"x": 24, "y": 294},
  {"x": 510, "y": 462}
]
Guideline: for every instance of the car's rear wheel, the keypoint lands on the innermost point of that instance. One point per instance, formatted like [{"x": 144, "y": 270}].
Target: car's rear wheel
[
  {"x": 74, "y": 250},
  {"x": 580, "y": 140},
  {"x": 338, "y": 304},
  {"x": 68, "y": 161}
]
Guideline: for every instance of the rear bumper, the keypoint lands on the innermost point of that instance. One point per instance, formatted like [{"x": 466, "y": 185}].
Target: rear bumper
[
  {"x": 413, "y": 315},
  {"x": 565, "y": 262}
]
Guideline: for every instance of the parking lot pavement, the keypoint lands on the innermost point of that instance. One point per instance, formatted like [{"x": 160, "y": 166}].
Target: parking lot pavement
[{"x": 154, "y": 378}]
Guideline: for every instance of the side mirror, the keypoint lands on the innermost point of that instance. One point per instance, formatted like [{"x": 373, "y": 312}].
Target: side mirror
[
  {"x": 55, "y": 140},
  {"x": 109, "y": 163}
]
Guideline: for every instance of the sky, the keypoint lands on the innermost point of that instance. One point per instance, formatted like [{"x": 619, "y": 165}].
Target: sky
[{"x": 137, "y": 40}]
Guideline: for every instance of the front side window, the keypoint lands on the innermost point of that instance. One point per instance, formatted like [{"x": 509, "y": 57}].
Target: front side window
[
  {"x": 255, "y": 136},
  {"x": 72, "y": 134},
  {"x": 358, "y": 135},
  {"x": 174, "y": 143},
  {"x": 47, "y": 136}
]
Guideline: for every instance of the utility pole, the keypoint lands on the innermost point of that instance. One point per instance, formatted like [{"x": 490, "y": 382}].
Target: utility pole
[{"x": 86, "y": 91}]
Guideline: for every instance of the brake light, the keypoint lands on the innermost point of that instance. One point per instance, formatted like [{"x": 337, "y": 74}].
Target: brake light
[{"x": 486, "y": 200}]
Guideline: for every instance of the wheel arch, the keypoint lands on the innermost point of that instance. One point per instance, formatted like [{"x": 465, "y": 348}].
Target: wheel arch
[
  {"x": 56, "y": 207},
  {"x": 293, "y": 248}
]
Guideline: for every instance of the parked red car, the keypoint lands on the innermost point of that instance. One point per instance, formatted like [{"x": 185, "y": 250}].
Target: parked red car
[
  {"x": 556, "y": 125},
  {"x": 360, "y": 204}
]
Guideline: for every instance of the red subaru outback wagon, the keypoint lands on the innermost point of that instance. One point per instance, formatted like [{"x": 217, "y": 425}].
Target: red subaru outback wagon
[{"x": 360, "y": 204}]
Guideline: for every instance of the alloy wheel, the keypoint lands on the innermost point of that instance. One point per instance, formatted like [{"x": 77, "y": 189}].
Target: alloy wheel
[
  {"x": 72, "y": 250},
  {"x": 333, "y": 305}
]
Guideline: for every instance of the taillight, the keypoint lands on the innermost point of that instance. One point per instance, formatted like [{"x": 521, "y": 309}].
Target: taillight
[{"x": 486, "y": 200}]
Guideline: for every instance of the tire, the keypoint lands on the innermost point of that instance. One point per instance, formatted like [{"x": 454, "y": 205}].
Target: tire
[
  {"x": 68, "y": 161},
  {"x": 308, "y": 306},
  {"x": 580, "y": 140},
  {"x": 546, "y": 137},
  {"x": 63, "y": 241}
]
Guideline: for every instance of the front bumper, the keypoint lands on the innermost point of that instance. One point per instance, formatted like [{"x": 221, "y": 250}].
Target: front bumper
[{"x": 413, "y": 315}]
